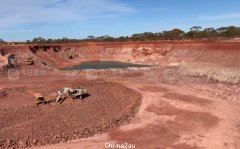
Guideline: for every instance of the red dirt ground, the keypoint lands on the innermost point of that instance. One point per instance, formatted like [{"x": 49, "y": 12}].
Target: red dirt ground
[
  {"x": 185, "y": 113},
  {"x": 23, "y": 124}
]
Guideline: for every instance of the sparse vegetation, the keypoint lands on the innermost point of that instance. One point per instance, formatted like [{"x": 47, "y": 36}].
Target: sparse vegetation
[
  {"x": 196, "y": 32},
  {"x": 1, "y": 41}
]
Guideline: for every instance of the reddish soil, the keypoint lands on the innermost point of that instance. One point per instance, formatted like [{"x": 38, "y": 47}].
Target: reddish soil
[
  {"x": 183, "y": 116},
  {"x": 62, "y": 55},
  {"x": 187, "y": 98},
  {"x": 23, "y": 126},
  {"x": 165, "y": 135},
  {"x": 152, "y": 137},
  {"x": 183, "y": 113}
]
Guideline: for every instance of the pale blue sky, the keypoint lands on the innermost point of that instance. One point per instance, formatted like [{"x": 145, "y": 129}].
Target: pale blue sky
[{"x": 25, "y": 19}]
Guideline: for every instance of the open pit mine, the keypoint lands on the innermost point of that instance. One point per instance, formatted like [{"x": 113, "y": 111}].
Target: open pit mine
[{"x": 144, "y": 95}]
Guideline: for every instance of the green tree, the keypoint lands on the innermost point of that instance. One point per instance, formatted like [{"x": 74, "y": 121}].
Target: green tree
[
  {"x": 176, "y": 34},
  {"x": 38, "y": 40},
  {"x": 196, "y": 28},
  {"x": 50, "y": 41},
  {"x": 194, "y": 32},
  {"x": 28, "y": 41},
  {"x": 230, "y": 31},
  {"x": 65, "y": 39},
  {"x": 209, "y": 33},
  {"x": 2, "y": 41},
  {"x": 91, "y": 38},
  {"x": 135, "y": 37}
]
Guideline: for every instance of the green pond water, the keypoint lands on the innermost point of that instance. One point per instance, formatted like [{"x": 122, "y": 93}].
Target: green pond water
[{"x": 103, "y": 65}]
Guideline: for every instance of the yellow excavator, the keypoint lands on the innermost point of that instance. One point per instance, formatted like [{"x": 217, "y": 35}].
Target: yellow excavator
[{"x": 29, "y": 61}]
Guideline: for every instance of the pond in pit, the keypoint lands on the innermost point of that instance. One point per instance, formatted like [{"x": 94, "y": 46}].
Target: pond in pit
[{"x": 103, "y": 65}]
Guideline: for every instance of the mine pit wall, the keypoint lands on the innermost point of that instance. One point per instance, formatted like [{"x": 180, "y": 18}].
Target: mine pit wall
[
  {"x": 214, "y": 53},
  {"x": 73, "y": 54},
  {"x": 62, "y": 55}
]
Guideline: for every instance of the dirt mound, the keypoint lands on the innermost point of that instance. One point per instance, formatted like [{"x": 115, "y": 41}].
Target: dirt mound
[{"x": 106, "y": 107}]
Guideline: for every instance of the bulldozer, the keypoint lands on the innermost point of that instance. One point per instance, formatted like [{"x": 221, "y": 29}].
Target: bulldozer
[
  {"x": 29, "y": 61},
  {"x": 39, "y": 99},
  {"x": 60, "y": 96}
]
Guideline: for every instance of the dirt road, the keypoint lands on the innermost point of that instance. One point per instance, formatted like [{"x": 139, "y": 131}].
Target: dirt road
[{"x": 171, "y": 118}]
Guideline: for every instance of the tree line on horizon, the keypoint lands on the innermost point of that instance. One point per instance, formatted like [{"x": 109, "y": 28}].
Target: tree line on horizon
[{"x": 195, "y": 32}]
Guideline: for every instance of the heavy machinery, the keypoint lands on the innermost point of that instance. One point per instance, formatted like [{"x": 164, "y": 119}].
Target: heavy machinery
[
  {"x": 29, "y": 61},
  {"x": 78, "y": 93},
  {"x": 39, "y": 99},
  {"x": 73, "y": 93},
  {"x": 60, "y": 96}
]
